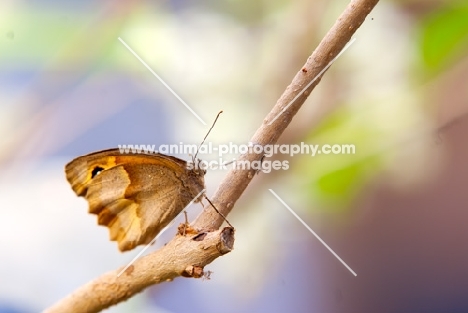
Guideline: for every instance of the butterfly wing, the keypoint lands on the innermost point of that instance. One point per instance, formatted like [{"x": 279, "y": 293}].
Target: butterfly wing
[{"x": 134, "y": 195}]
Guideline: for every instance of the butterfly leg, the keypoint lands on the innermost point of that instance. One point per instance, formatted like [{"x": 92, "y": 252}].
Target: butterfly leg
[
  {"x": 186, "y": 223},
  {"x": 221, "y": 214}
]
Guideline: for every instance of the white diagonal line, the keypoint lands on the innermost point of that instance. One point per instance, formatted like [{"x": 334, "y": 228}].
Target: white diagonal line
[
  {"x": 160, "y": 233},
  {"x": 161, "y": 80},
  {"x": 313, "y": 233},
  {"x": 315, "y": 78}
]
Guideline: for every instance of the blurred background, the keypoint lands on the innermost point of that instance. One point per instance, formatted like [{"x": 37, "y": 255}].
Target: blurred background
[{"x": 396, "y": 212}]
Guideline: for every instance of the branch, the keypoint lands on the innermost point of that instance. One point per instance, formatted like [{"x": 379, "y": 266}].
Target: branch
[
  {"x": 185, "y": 255},
  {"x": 182, "y": 256},
  {"x": 237, "y": 180}
]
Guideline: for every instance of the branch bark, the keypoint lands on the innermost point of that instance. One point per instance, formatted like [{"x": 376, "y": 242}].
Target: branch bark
[{"x": 184, "y": 256}]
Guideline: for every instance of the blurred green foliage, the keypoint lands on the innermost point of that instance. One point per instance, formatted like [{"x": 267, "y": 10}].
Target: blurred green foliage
[
  {"x": 444, "y": 36},
  {"x": 338, "y": 187},
  {"x": 334, "y": 180}
]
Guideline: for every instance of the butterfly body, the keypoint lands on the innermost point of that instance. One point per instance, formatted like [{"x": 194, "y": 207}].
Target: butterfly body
[{"x": 135, "y": 195}]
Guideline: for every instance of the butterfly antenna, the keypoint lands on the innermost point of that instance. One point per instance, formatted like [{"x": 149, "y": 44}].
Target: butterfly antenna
[
  {"x": 193, "y": 159},
  {"x": 222, "y": 215}
]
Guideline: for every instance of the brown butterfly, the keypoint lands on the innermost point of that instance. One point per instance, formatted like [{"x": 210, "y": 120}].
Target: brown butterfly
[{"x": 135, "y": 195}]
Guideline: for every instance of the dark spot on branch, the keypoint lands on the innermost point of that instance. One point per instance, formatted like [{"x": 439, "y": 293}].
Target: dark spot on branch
[{"x": 199, "y": 237}]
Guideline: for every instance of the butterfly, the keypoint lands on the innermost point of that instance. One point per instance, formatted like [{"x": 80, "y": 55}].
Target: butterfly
[{"x": 135, "y": 195}]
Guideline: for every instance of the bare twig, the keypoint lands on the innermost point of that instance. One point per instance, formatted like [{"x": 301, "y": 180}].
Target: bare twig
[{"x": 183, "y": 256}]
